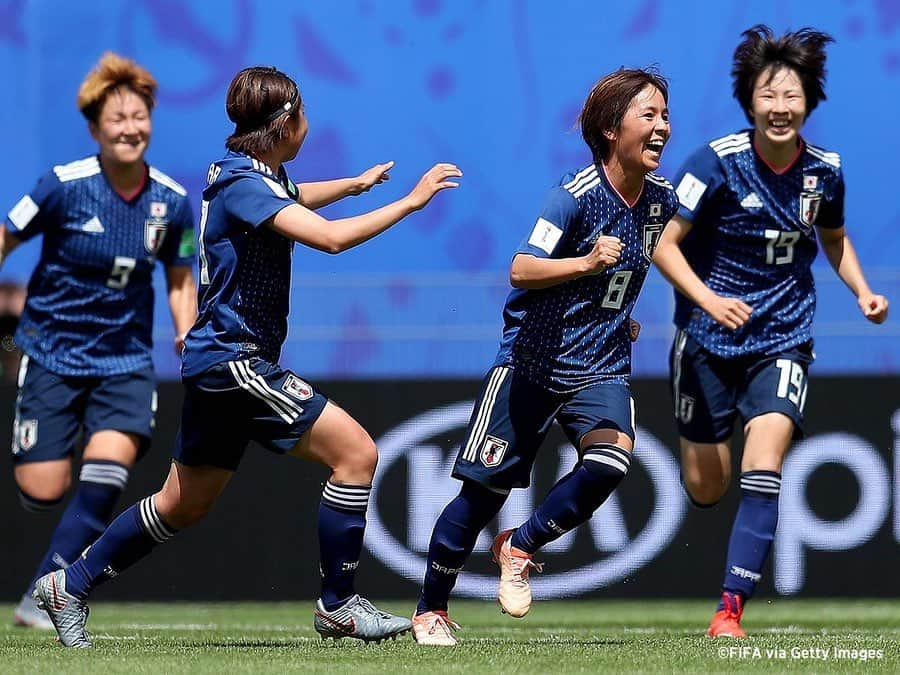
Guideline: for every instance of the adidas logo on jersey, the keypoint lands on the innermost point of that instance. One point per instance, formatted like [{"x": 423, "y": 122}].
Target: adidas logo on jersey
[
  {"x": 752, "y": 201},
  {"x": 93, "y": 225}
]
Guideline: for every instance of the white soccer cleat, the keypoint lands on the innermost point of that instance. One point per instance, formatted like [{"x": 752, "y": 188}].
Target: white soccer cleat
[
  {"x": 514, "y": 591},
  {"x": 29, "y": 615},
  {"x": 434, "y": 629}
]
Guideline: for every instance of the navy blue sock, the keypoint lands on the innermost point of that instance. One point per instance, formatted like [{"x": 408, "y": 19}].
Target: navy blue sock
[
  {"x": 342, "y": 523},
  {"x": 88, "y": 514},
  {"x": 453, "y": 539},
  {"x": 128, "y": 539},
  {"x": 575, "y": 497},
  {"x": 753, "y": 532}
]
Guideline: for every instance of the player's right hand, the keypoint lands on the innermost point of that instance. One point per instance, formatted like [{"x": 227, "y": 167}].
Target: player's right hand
[
  {"x": 434, "y": 180},
  {"x": 729, "y": 312},
  {"x": 605, "y": 253}
]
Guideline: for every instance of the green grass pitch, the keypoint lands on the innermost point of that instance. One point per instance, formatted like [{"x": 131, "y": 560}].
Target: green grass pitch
[{"x": 556, "y": 637}]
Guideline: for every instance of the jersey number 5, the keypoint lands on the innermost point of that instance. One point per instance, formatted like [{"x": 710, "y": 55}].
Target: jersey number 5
[
  {"x": 121, "y": 271},
  {"x": 780, "y": 246}
]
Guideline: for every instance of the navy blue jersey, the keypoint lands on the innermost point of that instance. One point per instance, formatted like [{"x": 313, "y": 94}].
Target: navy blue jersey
[
  {"x": 245, "y": 266},
  {"x": 89, "y": 310},
  {"x": 575, "y": 334},
  {"x": 753, "y": 239}
]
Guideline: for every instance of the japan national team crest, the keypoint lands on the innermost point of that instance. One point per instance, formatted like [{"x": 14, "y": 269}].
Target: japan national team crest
[
  {"x": 493, "y": 450},
  {"x": 652, "y": 231},
  {"x": 26, "y": 434},
  {"x": 154, "y": 234},
  {"x": 299, "y": 389},
  {"x": 809, "y": 207}
]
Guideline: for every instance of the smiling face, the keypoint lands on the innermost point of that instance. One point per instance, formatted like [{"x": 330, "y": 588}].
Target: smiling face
[
  {"x": 638, "y": 143},
  {"x": 778, "y": 106},
  {"x": 123, "y": 128}
]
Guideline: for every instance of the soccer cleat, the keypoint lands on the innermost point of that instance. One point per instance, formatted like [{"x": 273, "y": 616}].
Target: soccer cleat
[
  {"x": 514, "y": 592},
  {"x": 727, "y": 621},
  {"x": 434, "y": 629},
  {"x": 68, "y": 614},
  {"x": 358, "y": 618},
  {"x": 29, "y": 615}
]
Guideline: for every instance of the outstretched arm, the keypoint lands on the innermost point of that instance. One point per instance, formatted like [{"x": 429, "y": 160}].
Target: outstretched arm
[
  {"x": 182, "y": 301},
  {"x": 8, "y": 242},
  {"x": 842, "y": 256},
  {"x": 729, "y": 312},
  {"x": 334, "y": 236},
  {"x": 322, "y": 193}
]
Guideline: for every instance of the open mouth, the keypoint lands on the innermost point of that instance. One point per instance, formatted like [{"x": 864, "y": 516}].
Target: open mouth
[
  {"x": 655, "y": 147},
  {"x": 780, "y": 125}
]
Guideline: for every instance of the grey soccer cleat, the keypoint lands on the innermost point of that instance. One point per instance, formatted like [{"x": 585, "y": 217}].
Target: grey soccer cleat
[
  {"x": 68, "y": 614},
  {"x": 359, "y": 618},
  {"x": 29, "y": 615}
]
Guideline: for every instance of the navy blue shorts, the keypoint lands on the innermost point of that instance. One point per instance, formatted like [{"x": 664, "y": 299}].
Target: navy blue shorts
[
  {"x": 512, "y": 416},
  {"x": 709, "y": 391},
  {"x": 236, "y": 402},
  {"x": 52, "y": 409}
]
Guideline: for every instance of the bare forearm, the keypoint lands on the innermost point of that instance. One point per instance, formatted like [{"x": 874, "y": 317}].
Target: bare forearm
[
  {"x": 528, "y": 271},
  {"x": 672, "y": 264},
  {"x": 183, "y": 305},
  {"x": 317, "y": 194},
  {"x": 843, "y": 259},
  {"x": 8, "y": 242}
]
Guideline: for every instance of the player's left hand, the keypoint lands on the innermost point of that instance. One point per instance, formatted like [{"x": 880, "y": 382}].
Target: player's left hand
[
  {"x": 634, "y": 329},
  {"x": 874, "y": 307},
  {"x": 374, "y": 176}
]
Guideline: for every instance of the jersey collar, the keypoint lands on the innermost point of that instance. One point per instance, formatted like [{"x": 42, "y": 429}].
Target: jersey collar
[
  {"x": 604, "y": 177},
  {"x": 801, "y": 146}
]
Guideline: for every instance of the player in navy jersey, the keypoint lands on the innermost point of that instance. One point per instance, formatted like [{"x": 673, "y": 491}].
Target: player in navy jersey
[
  {"x": 565, "y": 353},
  {"x": 235, "y": 391},
  {"x": 87, "y": 324},
  {"x": 739, "y": 254}
]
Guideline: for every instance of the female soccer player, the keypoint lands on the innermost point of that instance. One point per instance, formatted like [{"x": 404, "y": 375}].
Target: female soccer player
[
  {"x": 739, "y": 254},
  {"x": 235, "y": 391},
  {"x": 87, "y": 323},
  {"x": 565, "y": 353}
]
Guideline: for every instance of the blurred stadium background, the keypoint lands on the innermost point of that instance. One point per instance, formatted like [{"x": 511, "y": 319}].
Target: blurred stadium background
[{"x": 400, "y": 330}]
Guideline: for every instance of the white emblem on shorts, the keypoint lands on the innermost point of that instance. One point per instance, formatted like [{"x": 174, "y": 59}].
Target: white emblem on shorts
[
  {"x": 686, "y": 408},
  {"x": 299, "y": 389},
  {"x": 493, "y": 450},
  {"x": 26, "y": 435}
]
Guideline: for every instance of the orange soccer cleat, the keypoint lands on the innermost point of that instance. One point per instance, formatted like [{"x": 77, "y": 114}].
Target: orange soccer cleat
[{"x": 727, "y": 621}]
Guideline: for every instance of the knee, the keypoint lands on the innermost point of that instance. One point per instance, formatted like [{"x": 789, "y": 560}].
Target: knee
[
  {"x": 36, "y": 504},
  {"x": 357, "y": 464},
  {"x": 180, "y": 512},
  {"x": 703, "y": 491},
  {"x": 39, "y": 492}
]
